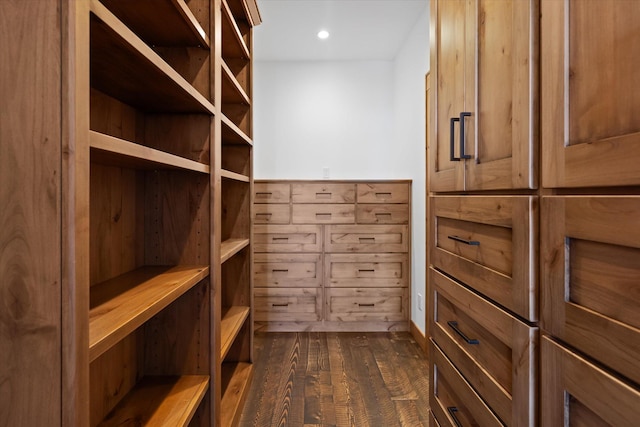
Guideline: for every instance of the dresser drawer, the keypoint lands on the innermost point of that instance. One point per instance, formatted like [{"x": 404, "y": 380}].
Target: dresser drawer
[
  {"x": 492, "y": 349},
  {"x": 323, "y": 192},
  {"x": 271, "y": 214},
  {"x": 366, "y": 238},
  {"x": 287, "y": 304},
  {"x": 590, "y": 250},
  {"x": 488, "y": 243},
  {"x": 383, "y": 192},
  {"x": 271, "y": 192},
  {"x": 324, "y": 214},
  {"x": 452, "y": 400},
  {"x": 382, "y": 214},
  {"x": 575, "y": 391},
  {"x": 287, "y": 270},
  {"x": 287, "y": 238},
  {"x": 357, "y": 304},
  {"x": 367, "y": 270}
]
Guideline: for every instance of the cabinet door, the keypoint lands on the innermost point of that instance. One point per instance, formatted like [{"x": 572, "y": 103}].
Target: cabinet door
[
  {"x": 590, "y": 57},
  {"x": 500, "y": 83},
  {"x": 447, "y": 59}
]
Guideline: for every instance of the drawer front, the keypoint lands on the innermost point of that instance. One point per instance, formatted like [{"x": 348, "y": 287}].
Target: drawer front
[
  {"x": 287, "y": 305},
  {"x": 488, "y": 243},
  {"x": 490, "y": 347},
  {"x": 367, "y": 270},
  {"x": 271, "y": 192},
  {"x": 452, "y": 400},
  {"x": 383, "y": 192},
  {"x": 575, "y": 391},
  {"x": 323, "y": 192},
  {"x": 287, "y": 270},
  {"x": 590, "y": 250},
  {"x": 367, "y": 238},
  {"x": 324, "y": 214},
  {"x": 287, "y": 238},
  {"x": 358, "y": 304},
  {"x": 382, "y": 214},
  {"x": 271, "y": 214}
]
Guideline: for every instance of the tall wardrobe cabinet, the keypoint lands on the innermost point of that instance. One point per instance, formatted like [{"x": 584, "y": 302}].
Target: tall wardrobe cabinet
[
  {"x": 534, "y": 292},
  {"x": 126, "y": 177}
]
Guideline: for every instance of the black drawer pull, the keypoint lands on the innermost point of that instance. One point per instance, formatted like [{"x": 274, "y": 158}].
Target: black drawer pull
[
  {"x": 323, "y": 195},
  {"x": 465, "y": 241},
  {"x": 452, "y": 128},
  {"x": 280, "y": 305},
  {"x": 462, "y": 154},
  {"x": 319, "y": 214},
  {"x": 366, "y": 305},
  {"x": 454, "y": 326},
  {"x": 367, "y": 239},
  {"x": 383, "y": 194},
  {"x": 366, "y": 270},
  {"x": 383, "y": 214},
  {"x": 282, "y": 270},
  {"x": 264, "y": 193},
  {"x": 452, "y": 412},
  {"x": 266, "y": 214},
  {"x": 275, "y": 239}
]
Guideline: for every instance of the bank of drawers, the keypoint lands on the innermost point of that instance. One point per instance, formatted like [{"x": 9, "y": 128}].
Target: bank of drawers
[
  {"x": 590, "y": 253},
  {"x": 332, "y": 251},
  {"x": 483, "y": 305}
]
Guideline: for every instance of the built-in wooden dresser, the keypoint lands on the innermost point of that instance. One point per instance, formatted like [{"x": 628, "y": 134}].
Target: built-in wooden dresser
[{"x": 332, "y": 255}]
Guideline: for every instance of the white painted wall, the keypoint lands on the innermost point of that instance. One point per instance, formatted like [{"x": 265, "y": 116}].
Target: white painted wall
[{"x": 361, "y": 119}]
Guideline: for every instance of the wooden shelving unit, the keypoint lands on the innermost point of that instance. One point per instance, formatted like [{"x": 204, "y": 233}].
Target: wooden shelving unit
[
  {"x": 236, "y": 177},
  {"x": 128, "y": 175}
]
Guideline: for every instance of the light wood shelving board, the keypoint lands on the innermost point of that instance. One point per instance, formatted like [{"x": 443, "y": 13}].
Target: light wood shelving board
[
  {"x": 233, "y": 319},
  {"x": 151, "y": 18},
  {"x": 124, "y": 67},
  {"x": 120, "y": 305},
  {"x": 237, "y": 378},
  {"x": 232, "y": 91},
  {"x": 232, "y": 133},
  {"x": 160, "y": 401},
  {"x": 110, "y": 150},
  {"x": 231, "y": 31},
  {"x": 235, "y": 176},
  {"x": 230, "y": 247}
]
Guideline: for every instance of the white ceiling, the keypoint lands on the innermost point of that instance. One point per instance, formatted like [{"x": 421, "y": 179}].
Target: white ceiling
[{"x": 360, "y": 29}]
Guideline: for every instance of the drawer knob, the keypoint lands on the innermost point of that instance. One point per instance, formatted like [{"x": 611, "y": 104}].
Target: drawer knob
[
  {"x": 452, "y": 412},
  {"x": 454, "y": 326},
  {"x": 465, "y": 241},
  {"x": 366, "y": 305},
  {"x": 280, "y": 305}
]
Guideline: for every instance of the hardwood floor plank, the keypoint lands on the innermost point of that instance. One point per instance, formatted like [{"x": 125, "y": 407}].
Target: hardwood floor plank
[{"x": 338, "y": 379}]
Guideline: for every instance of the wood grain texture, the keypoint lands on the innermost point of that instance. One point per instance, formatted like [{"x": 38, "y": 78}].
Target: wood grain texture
[
  {"x": 589, "y": 130},
  {"x": 338, "y": 379},
  {"x": 31, "y": 213},
  {"x": 590, "y": 292}
]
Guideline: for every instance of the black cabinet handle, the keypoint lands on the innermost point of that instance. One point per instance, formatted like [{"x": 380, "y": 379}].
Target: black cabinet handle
[
  {"x": 452, "y": 128},
  {"x": 452, "y": 412},
  {"x": 462, "y": 116},
  {"x": 280, "y": 305},
  {"x": 465, "y": 241},
  {"x": 454, "y": 326},
  {"x": 366, "y": 305}
]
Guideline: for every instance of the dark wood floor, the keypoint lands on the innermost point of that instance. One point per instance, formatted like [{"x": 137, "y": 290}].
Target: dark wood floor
[{"x": 338, "y": 379}]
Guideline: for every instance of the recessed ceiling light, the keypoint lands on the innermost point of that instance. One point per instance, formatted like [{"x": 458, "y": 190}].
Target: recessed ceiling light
[{"x": 323, "y": 34}]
